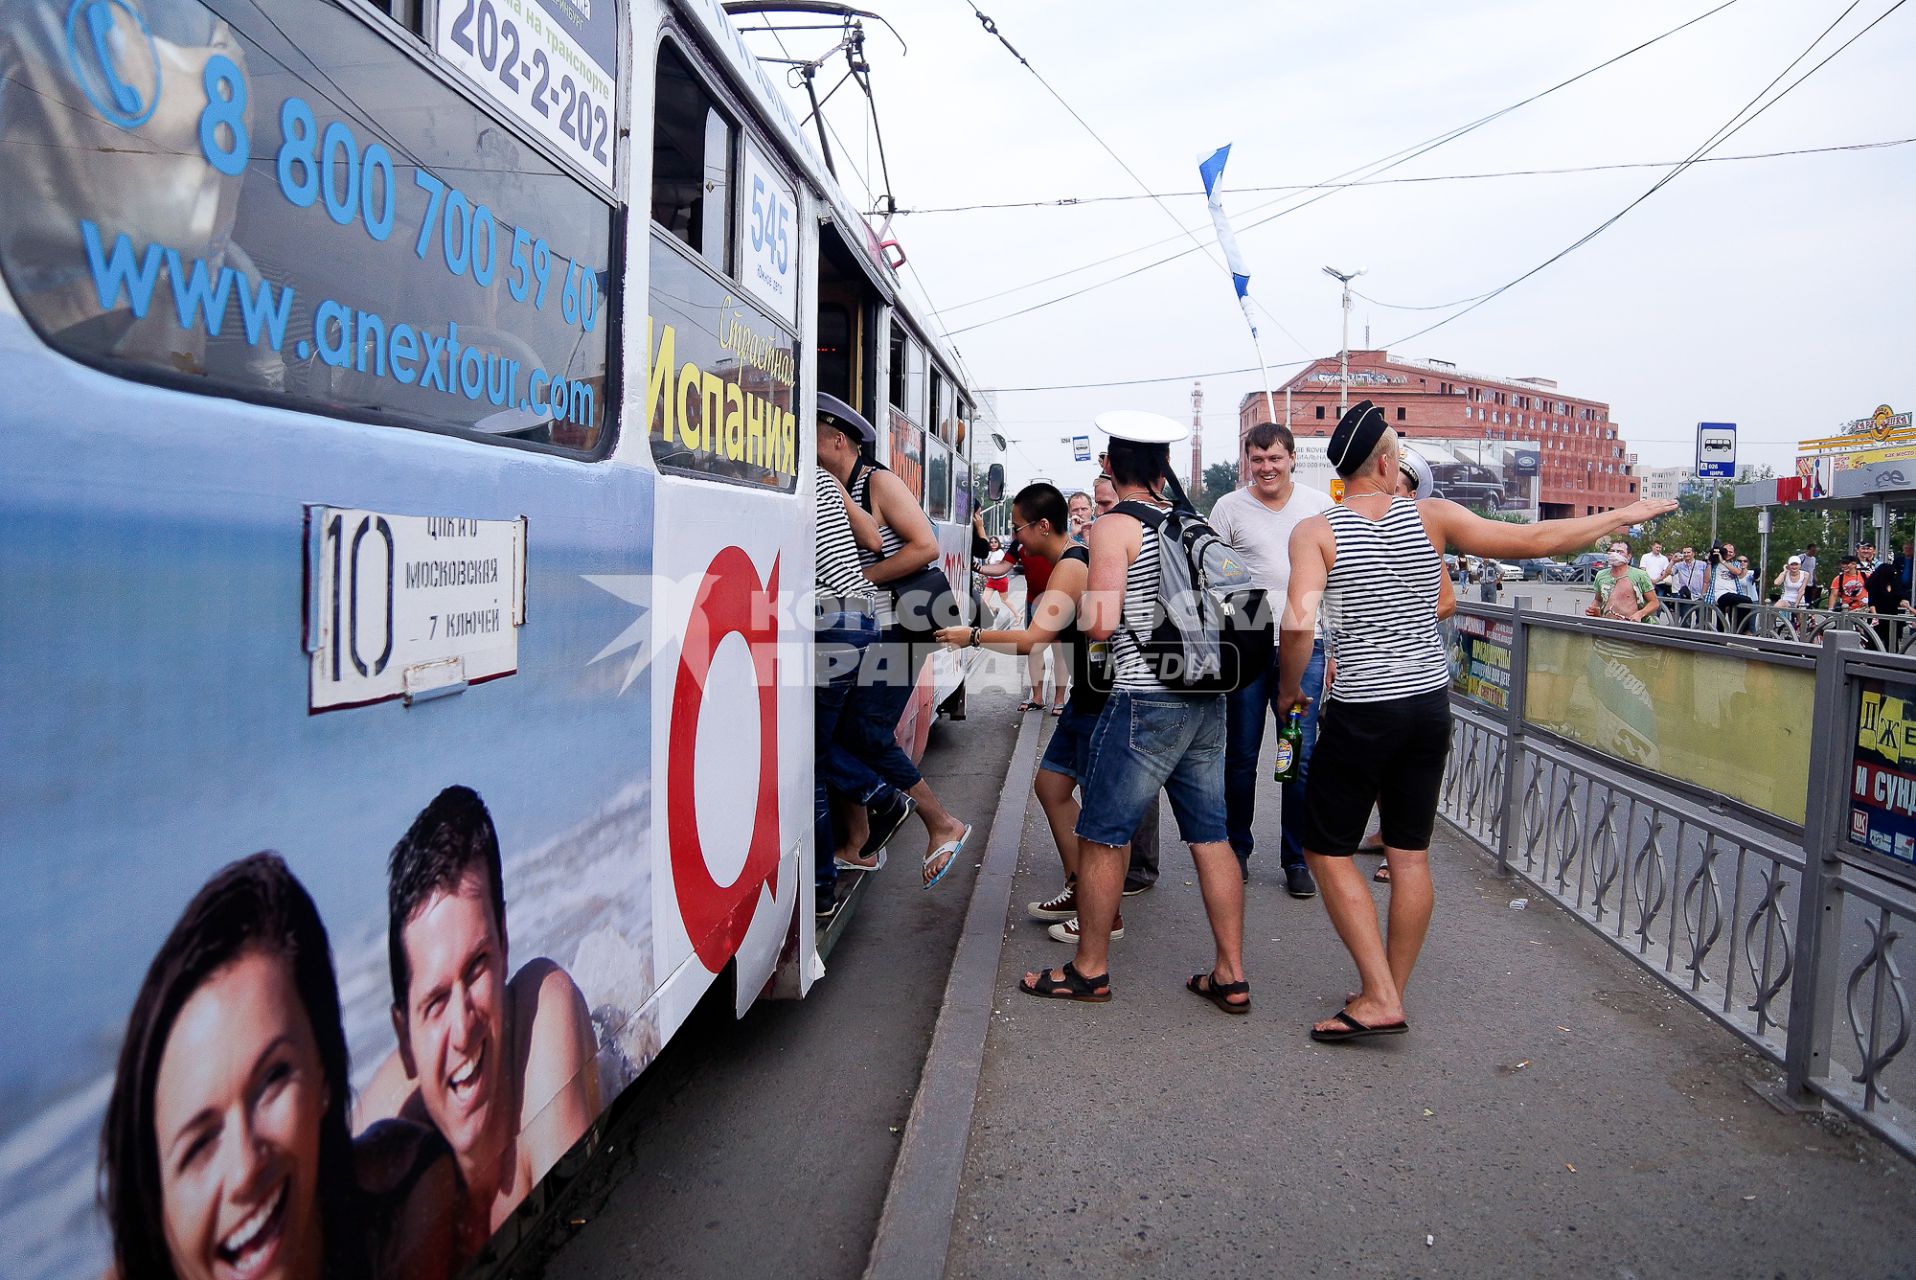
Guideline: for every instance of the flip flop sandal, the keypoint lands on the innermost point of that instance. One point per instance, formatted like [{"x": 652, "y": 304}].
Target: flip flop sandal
[
  {"x": 1071, "y": 986},
  {"x": 1057, "y": 711},
  {"x": 1382, "y": 874},
  {"x": 1355, "y": 1030},
  {"x": 1216, "y": 991},
  {"x": 1028, "y": 705},
  {"x": 954, "y": 848},
  {"x": 846, "y": 864}
]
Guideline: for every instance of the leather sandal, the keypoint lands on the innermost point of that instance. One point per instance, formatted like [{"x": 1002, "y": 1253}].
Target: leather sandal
[
  {"x": 1207, "y": 986},
  {"x": 1070, "y": 985}
]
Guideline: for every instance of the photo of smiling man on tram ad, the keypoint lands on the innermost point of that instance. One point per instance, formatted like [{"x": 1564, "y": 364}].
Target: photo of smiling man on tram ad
[{"x": 504, "y": 1070}]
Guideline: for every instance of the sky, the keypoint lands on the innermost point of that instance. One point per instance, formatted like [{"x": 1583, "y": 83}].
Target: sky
[{"x": 1773, "y": 293}]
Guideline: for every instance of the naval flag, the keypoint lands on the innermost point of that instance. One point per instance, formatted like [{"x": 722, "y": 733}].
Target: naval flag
[{"x": 1212, "y": 170}]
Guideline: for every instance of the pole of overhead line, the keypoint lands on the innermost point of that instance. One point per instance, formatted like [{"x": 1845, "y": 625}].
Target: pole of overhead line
[
  {"x": 1344, "y": 349},
  {"x": 1344, "y": 356}
]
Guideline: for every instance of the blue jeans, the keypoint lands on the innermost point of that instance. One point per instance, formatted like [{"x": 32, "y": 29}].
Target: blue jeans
[
  {"x": 838, "y": 651},
  {"x": 1244, "y": 738},
  {"x": 1145, "y": 741},
  {"x": 866, "y": 760}
]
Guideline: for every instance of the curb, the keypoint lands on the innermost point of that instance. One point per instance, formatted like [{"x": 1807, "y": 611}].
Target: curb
[{"x": 914, "y": 1231}]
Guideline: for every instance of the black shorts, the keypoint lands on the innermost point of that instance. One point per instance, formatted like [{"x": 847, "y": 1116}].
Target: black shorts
[{"x": 1389, "y": 754}]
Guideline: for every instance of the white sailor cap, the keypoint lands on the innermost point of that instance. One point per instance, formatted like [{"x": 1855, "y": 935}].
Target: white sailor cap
[{"x": 1141, "y": 427}]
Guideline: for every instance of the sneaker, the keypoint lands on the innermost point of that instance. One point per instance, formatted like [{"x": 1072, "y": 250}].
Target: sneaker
[
  {"x": 886, "y": 820},
  {"x": 1133, "y": 890},
  {"x": 825, "y": 903},
  {"x": 1062, "y": 905},
  {"x": 1068, "y": 931},
  {"x": 1298, "y": 882}
]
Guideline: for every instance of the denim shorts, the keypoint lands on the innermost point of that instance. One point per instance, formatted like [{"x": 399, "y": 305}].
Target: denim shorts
[
  {"x": 1069, "y": 751},
  {"x": 1145, "y": 742}
]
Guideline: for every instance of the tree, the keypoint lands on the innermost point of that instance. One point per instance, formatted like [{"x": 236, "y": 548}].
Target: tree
[
  {"x": 1219, "y": 479},
  {"x": 1791, "y": 527}
]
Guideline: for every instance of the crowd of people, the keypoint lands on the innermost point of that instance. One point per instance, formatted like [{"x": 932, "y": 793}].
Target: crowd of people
[
  {"x": 1337, "y": 620},
  {"x": 1722, "y": 589}
]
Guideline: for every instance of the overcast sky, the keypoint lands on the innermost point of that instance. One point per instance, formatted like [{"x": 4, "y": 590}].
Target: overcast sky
[{"x": 1774, "y": 293}]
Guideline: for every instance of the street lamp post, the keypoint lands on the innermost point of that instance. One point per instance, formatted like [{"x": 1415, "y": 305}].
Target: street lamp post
[{"x": 1344, "y": 349}]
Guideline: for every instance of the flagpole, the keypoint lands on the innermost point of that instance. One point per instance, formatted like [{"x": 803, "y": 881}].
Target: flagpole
[{"x": 1270, "y": 399}]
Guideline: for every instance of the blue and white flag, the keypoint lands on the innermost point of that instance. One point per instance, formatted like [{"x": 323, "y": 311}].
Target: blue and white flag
[{"x": 1212, "y": 170}]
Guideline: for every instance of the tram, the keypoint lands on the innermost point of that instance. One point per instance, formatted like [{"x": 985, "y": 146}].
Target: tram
[{"x": 408, "y": 472}]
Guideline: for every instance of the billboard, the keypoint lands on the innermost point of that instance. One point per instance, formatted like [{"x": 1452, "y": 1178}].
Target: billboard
[{"x": 1490, "y": 476}]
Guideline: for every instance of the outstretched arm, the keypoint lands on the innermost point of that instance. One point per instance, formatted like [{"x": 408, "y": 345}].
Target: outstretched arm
[
  {"x": 1451, "y": 525},
  {"x": 1049, "y": 619}
]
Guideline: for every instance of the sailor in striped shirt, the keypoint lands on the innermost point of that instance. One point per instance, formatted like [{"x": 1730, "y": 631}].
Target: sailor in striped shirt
[{"x": 1371, "y": 567}]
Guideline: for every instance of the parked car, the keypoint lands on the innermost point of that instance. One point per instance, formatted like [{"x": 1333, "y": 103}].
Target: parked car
[
  {"x": 1583, "y": 567},
  {"x": 1453, "y": 568},
  {"x": 1539, "y": 569},
  {"x": 1511, "y": 571}
]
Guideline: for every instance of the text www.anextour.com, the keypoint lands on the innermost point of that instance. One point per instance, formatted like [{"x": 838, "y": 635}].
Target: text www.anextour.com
[{"x": 431, "y": 358}]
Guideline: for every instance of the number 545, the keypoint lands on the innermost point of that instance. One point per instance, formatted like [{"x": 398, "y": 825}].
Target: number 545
[{"x": 771, "y": 225}]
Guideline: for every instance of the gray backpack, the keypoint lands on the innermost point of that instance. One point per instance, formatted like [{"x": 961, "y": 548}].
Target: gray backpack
[{"x": 1203, "y": 588}]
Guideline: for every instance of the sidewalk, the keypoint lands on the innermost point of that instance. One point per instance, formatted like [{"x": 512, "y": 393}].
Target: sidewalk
[{"x": 1551, "y": 1112}]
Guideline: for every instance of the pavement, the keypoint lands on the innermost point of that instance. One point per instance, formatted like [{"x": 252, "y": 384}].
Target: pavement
[
  {"x": 765, "y": 1146},
  {"x": 1553, "y": 1110}
]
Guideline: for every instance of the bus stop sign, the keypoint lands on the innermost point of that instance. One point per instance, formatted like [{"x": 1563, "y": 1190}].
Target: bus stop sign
[{"x": 1716, "y": 450}]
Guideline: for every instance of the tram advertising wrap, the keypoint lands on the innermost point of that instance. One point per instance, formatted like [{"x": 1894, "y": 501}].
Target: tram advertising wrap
[
  {"x": 189, "y": 199},
  {"x": 723, "y": 378},
  {"x": 248, "y": 614},
  {"x": 1882, "y": 815}
]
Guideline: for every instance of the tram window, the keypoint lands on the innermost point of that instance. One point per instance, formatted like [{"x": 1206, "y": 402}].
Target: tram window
[
  {"x": 692, "y": 149},
  {"x": 962, "y": 436},
  {"x": 937, "y": 479},
  {"x": 410, "y": 14},
  {"x": 897, "y": 381},
  {"x": 961, "y": 498},
  {"x": 835, "y": 351},
  {"x": 298, "y": 213},
  {"x": 935, "y": 420},
  {"x": 907, "y": 459}
]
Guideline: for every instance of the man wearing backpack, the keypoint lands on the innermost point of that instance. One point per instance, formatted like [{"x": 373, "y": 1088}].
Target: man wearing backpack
[{"x": 1155, "y": 731}]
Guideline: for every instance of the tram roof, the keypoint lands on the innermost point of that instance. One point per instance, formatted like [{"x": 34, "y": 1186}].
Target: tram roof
[{"x": 749, "y": 78}]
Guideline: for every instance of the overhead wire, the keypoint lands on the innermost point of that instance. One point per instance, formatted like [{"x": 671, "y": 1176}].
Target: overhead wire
[
  {"x": 991, "y": 29},
  {"x": 1737, "y": 122},
  {"x": 1073, "y": 202},
  {"x": 1325, "y": 189},
  {"x": 1724, "y": 132}
]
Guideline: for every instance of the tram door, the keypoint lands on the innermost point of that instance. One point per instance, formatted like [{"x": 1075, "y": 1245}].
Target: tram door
[{"x": 730, "y": 435}]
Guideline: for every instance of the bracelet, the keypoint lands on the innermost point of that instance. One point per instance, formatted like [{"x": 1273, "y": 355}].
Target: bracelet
[{"x": 974, "y": 637}]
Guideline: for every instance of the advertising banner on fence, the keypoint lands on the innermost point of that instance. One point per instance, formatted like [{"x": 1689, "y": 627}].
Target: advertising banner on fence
[
  {"x": 1480, "y": 660},
  {"x": 1730, "y": 725},
  {"x": 1882, "y": 813}
]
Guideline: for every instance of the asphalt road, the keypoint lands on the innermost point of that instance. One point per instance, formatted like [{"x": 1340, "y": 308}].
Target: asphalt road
[{"x": 764, "y": 1146}]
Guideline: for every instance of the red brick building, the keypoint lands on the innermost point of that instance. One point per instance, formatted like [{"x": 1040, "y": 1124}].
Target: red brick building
[{"x": 1586, "y": 464}]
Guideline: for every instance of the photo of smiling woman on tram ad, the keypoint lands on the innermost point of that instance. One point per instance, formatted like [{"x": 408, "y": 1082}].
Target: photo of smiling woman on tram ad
[{"x": 226, "y": 1150}]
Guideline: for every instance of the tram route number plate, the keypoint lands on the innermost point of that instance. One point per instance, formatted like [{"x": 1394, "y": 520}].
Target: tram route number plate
[{"x": 409, "y": 607}]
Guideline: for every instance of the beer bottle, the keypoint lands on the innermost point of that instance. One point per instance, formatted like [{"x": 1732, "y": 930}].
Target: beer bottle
[{"x": 1290, "y": 748}]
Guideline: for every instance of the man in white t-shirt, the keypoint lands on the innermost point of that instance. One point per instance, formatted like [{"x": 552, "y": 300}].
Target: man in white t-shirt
[
  {"x": 1257, "y": 521},
  {"x": 1656, "y": 566}
]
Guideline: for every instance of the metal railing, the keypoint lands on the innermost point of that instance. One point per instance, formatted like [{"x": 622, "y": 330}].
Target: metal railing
[
  {"x": 1881, "y": 632},
  {"x": 1794, "y": 934}
]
